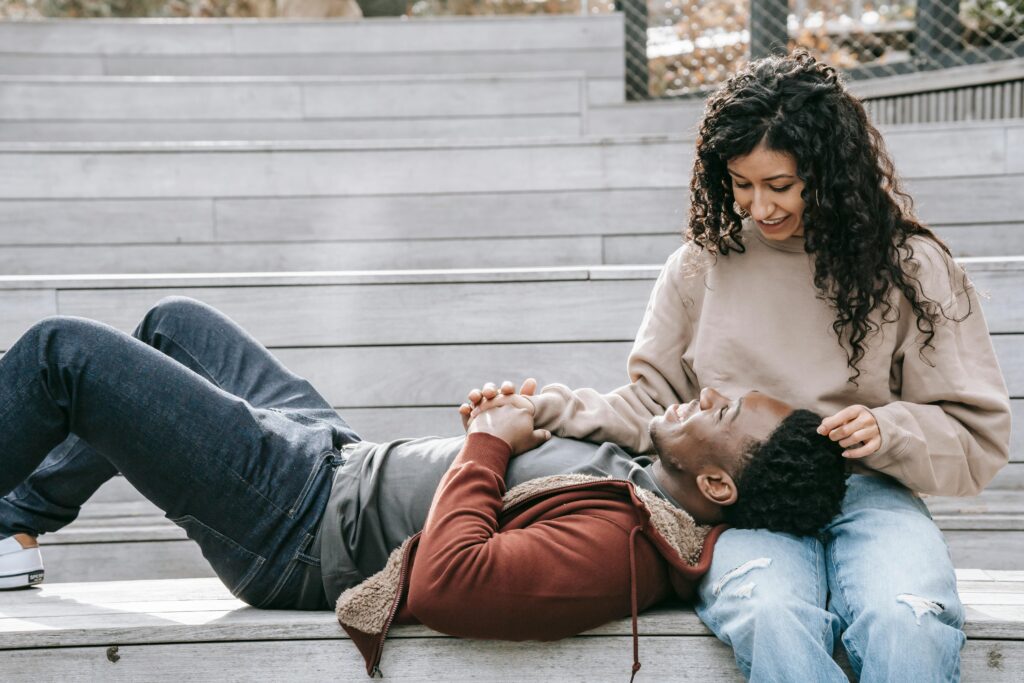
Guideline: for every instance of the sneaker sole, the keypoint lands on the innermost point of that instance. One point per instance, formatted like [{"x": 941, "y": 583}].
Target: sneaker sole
[{"x": 25, "y": 580}]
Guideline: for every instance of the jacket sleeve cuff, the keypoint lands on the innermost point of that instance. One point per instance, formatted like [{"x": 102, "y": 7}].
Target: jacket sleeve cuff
[{"x": 487, "y": 451}]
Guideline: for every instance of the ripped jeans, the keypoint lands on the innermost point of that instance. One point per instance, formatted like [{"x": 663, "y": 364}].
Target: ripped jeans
[{"x": 880, "y": 574}]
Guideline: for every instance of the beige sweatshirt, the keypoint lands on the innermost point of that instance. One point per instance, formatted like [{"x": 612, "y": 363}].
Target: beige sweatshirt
[{"x": 753, "y": 321}]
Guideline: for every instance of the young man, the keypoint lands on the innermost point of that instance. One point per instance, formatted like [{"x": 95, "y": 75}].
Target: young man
[{"x": 291, "y": 508}]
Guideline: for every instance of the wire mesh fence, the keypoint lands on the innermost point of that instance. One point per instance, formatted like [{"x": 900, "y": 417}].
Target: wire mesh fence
[{"x": 692, "y": 45}]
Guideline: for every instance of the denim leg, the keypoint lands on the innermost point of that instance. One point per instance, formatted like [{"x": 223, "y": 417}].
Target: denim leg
[
  {"x": 241, "y": 480},
  {"x": 893, "y": 586},
  {"x": 765, "y": 595},
  {"x": 207, "y": 342}
]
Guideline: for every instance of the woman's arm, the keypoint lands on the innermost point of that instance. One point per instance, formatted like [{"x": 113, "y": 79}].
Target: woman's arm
[
  {"x": 658, "y": 374},
  {"x": 950, "y": 432}
]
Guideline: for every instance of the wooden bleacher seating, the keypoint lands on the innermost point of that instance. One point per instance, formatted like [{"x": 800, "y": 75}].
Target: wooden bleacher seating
[
  {"x": 302, "y": 170},
  {"x": 347, "y": 205},
  {"x": 383, "y": 350},
  {"x": 451, "y": 45},
  {"x": 143, "y": 108},
  {"x": 192, "y": 629}
]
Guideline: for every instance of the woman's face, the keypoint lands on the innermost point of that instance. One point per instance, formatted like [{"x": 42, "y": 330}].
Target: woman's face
[{"x": 766, "y": 186}]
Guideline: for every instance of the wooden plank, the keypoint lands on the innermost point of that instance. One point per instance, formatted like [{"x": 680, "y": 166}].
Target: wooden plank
[
  {"x": 274, "y": 170},
  {"x": 1015, "y": 150},
  {"x": 442, "y": 375},
  {"x": 301, "y": 256},
  {"x": 382, "y": 424},
  {"x": 281, "y": 169},
  {"x": 1017, "y": 435},
  {"x": 21, "y": 309},
  {"x": 134, "y": 99},
  {"x": 942, "y": 152},
  {"x": 680, "y": 117},
  {"x": 966, "y": 200},
  {"x": 123, "y": 221},
  {"x": 399, "y": 314},
  {"x": 1010, "y": 351},
  {"x": 62, "y": 612},
  {"x": 575, "y": 659},
  {"x": 319, "y": 129},
  {"x": 992, "y": 239},
  {"x": 596, "y": 63},
  {"x": 270, "y": 36},
  {"x": 988, "y": 549},
  {"x": 451, "y": 215},
  {"x": 124, "y": 560},
  {"x": 941, "y": 79}
]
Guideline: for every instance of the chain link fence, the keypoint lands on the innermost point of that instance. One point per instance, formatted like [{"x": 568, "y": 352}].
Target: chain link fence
[{"x": 692, "y": 45}]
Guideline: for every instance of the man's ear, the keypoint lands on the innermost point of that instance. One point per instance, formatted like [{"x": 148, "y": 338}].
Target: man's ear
[{"x": 717, "y": 486}]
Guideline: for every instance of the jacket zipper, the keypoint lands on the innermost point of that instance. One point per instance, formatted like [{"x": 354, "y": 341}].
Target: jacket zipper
[{"x": 394, "y": 609}]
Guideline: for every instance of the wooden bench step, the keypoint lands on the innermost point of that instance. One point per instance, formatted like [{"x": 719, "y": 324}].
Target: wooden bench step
[
  {"x": 193, "y": 628},
  {"x": 398, "y": 325},
  {"x": 168, "y": 47},
  {"x": 86, "y": 108},
  {"x": 378, "y": 204}
]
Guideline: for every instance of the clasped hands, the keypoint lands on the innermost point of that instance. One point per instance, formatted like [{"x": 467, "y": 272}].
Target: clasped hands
[
  {"x": 505, "y": 414},
  {"x": 854, "y": 427}
]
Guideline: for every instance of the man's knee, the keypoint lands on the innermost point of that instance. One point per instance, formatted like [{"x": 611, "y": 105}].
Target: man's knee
[{"x": 170, "y": 307}]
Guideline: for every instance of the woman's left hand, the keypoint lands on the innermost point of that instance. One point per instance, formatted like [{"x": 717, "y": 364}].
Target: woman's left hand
[{"x": 851, "y": 426}]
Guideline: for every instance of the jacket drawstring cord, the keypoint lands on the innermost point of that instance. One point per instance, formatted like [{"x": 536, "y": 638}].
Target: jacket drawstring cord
[{"x": 633, "y": 600}]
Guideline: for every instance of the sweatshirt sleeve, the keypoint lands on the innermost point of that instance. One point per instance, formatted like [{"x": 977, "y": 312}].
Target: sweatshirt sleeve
[
  {"x": 950, "y": 432},
  {"x": 658, "y": 374},
  {"x": 550, "y": 579}
]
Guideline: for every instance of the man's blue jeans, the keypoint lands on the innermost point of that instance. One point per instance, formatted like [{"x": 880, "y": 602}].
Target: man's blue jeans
[
  {"x": 196, "y": 414},
  {"x": 880, "y": 575}
]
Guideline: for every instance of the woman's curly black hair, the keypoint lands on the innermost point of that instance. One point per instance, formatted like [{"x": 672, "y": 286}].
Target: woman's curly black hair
[
  {"x": 792, "y": 482},
  {"x": 857, "y": 218}
]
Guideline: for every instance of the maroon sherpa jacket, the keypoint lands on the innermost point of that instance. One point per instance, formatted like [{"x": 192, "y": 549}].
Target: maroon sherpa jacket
[{"x": 549, "y": 559}]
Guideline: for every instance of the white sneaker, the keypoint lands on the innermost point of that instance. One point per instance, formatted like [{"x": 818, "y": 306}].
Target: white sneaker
[{"x": 20, "y": 567}]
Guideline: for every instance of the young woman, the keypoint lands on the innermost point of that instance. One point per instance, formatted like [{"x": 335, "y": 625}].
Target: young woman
[{"x": 805, "y": 275}]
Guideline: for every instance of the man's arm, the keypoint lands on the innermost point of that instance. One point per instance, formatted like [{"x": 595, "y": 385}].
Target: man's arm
[{"x": 562, "y": 572}]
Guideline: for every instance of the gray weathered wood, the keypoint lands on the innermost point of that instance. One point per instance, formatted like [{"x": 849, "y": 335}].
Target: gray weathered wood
[
  {"x": 562, "y": 125},
  {"x": 940, "y": 79},
  {"x": 191, "y": 627},
  {"x": 123, "y": 561},
  {"x": 283, "y": 168},
  {"x": 283, "y": 37},
  {"x": 301, "y": 256},
  {"x": 128, "y": 99},
  {"x": 335, "y": 168}
]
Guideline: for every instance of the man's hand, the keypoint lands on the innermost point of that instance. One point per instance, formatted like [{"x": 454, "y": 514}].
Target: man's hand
[
  {"x": 853, "y": 426},
  {"x": 491, "y": 397},
  {"x": 510, "y": 423}
]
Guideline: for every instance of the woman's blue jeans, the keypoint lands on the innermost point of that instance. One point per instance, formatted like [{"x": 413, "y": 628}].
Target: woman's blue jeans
[
  {"x": 196, "y": 414},
  {"x": 880, "y": 575}
]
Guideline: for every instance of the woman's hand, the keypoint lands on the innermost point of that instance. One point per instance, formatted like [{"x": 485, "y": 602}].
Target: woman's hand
[
  {"x": 510, "y": 423},
  {"x": 851, "y": 426},
  {"x": 490, "y": 397}
]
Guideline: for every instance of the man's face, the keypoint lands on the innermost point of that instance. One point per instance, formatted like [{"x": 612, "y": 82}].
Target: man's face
[{"x": 714, "y": 429}]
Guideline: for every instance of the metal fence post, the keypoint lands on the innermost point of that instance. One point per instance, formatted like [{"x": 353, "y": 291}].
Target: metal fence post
[
  {"x": 768, "y": 29},
  {"x": 938, "y": 30},
  {"x": 637, "y": 71}
]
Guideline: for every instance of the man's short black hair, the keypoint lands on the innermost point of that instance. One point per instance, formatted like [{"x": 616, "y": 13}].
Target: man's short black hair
[{"x": 792, "y": 482}]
